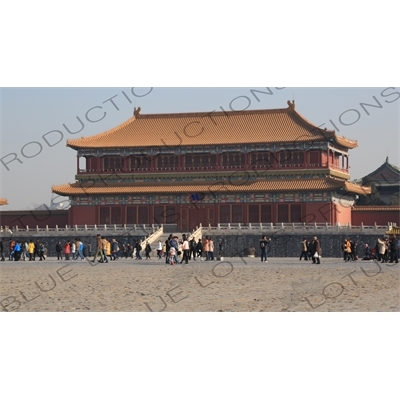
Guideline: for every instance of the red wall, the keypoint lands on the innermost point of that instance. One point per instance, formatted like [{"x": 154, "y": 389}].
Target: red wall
[
  {"x": 34, "y": 218},
  {"x": 192, "y": 215},
  {"x": 318, "y": 212},
  {"x": 343, "y": 214},
  {"x": 378, "y": 217},
  {"x": 83, "y": 215}
]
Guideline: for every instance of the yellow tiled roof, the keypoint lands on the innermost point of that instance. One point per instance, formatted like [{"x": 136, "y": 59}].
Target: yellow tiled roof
[
  {"x": 354, "y": 188},
  {"x": 217, "y": 128},
  {"x": 216, "y": 187},
  {"x": 3, "y": 202}
]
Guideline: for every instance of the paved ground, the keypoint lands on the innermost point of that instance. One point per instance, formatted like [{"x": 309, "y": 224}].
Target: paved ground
[{"x": 233, "y": 285}]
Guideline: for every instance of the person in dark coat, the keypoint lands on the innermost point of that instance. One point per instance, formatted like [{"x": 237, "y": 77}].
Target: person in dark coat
[
  {"x": 394, "y": 248},
  {"x": 37, "y": 250},
  {"x": 192, "y": 247},
  {"x": 2, "y": 250},
  {"x": 367, "y": 253},
  {"x": 147, "y": 250},
  {"x": 316, "y": 248},
  {"x": 59, "y": 251},
  {"x": 138, "y": 248},
  {"x": 263, "y": 248},
  {"x": 199, "y": 249},
  {"x": 304, "y": 250}
]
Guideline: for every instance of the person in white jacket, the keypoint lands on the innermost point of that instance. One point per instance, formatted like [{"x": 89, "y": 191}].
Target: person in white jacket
[{"x": 159, "y": 249}]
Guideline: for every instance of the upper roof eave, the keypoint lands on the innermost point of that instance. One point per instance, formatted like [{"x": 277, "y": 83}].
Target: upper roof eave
[
  {"x": 294, "y": 128},
  {"x": 197, "y": 187}
]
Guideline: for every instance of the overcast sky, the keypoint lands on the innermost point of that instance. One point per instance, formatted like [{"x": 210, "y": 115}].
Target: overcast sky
[{"x": 29, "y": 114}]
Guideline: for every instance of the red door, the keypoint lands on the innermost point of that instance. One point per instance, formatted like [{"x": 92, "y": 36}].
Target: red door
[{"x": 197, "y": 216}]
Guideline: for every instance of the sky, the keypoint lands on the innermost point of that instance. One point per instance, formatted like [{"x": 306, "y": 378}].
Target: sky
[{"x": 36, "y": 122}]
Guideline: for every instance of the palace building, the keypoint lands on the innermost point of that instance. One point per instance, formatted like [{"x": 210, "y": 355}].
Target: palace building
[{"x": 267, "y": 166}]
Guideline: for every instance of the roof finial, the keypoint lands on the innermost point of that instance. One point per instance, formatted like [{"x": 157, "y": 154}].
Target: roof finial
[
  {"x": 387, "y": 159},
  {"x": 291, "y": 104},
  {"x": 136, "y": 112}
]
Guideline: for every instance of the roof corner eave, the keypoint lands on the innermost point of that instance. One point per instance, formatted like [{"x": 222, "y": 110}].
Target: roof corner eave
[
  {"x": 343, "y": 141},
  {"x": 357, "y": 189}
]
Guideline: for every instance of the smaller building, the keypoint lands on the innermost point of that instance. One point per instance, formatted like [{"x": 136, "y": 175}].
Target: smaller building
[{"x": 386, "y": 179}]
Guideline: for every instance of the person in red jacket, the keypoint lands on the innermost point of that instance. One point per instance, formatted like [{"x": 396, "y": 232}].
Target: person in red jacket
[{"x": 67, "y": 249}]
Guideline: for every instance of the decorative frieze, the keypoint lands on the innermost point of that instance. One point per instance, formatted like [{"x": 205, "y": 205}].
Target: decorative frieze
[
  {"x": 205, "y": 198},
  {"x": 226, "y": 176}
]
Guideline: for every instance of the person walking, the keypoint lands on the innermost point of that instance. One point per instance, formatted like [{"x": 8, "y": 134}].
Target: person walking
[
  {"x": 263, "y": 247},
  {"x": 73, "y": 249},
  {"x": 304, "y": 252},
  {"x": 31, "y": 250},
  {"x": 185, "y": 250},
  {"x": 138, "y": 248},
  {"x": 210, "y": 250},
  {"x": 104, "y": 247},
  {"x": 115, "y": 249},
  {"x": 347, "y": 250},
  {"x": 394, "y": 247},
  {"x": 168, "y": 244},
  {"x": 147, "y": 250},
  {"x": 41, "y": 252},
  {"x": 192, "y": 249},
  {"x": 199, "y": 250},
  {"x": 159, "y": 249},
  {"x": 206, "y": 247},
  {"x": 99, "y": 250},
  {"x": 11, "y": 252},
  {"x": 79, "y": 249},
  {"x": 353, "y": 247},
  {"x": 24, "y": 251},
  {"x": 59, "y": 251},
  {"x": 2, "y": 250},
  {"x": 381, "y": 249},
  {"x": 67, "y": 250},
  {"x": 316, "y": 250},
  {"x": 17, "y": 251}
]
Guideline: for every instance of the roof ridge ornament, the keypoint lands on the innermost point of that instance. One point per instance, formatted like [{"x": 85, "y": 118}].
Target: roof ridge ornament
[
  {"x": 136, "y": 112},
  {"x": 291, "y": 105}
]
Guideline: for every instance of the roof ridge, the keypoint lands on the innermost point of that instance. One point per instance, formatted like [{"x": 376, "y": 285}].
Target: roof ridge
[{"x": 214, "y": 113}]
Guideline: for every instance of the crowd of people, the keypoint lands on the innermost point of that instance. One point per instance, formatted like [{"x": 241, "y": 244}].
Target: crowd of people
[
  {"x": 175, "y": 250},
  {"x": 23, "y": 250},
  {"x": 385, "y": 250},
  {"x": 187, "y": 248},
  {"x": 311, "y": 250}
]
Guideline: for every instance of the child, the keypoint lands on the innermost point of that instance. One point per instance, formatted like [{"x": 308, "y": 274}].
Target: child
[{"x": 171, "y": 259}]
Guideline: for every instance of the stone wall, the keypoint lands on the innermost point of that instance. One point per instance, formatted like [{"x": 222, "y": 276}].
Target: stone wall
[{"x": 289, "y": 245}]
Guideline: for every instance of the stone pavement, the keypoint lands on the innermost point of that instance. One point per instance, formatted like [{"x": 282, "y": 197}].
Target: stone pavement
[{"x": 282, "y": 284}]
